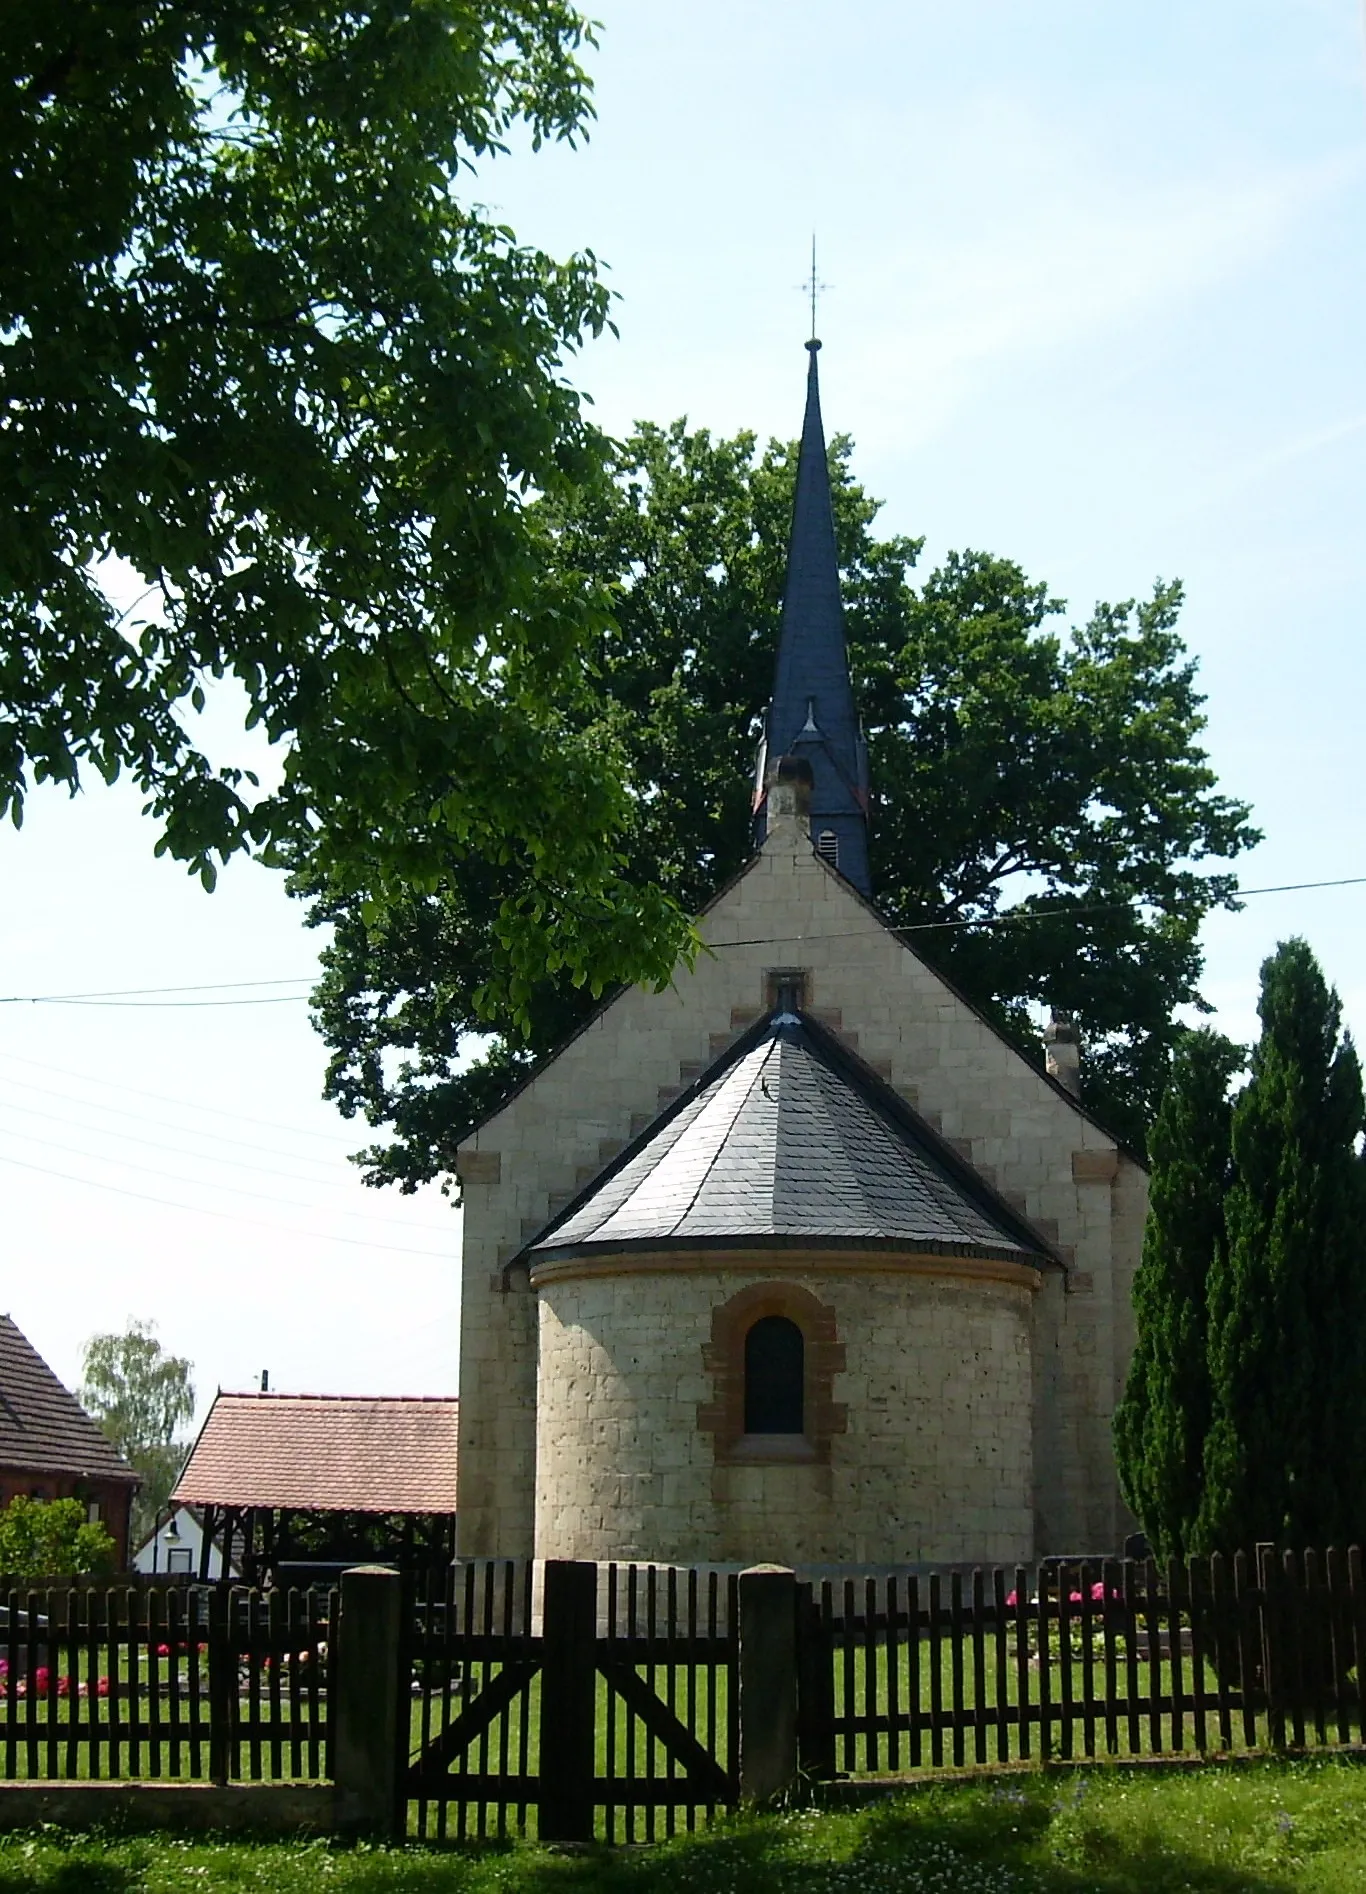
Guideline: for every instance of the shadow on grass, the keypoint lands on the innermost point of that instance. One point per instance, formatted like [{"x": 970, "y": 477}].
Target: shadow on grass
[
  {"x": 80, "y": 1874},
  {"x": 1027, "y": 1835}
]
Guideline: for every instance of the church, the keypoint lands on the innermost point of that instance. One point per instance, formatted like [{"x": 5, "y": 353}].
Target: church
[{"x": 799, "y": 1260}]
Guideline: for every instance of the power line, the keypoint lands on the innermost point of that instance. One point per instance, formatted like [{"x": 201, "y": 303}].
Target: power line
[
  {"x": 228, "y": 1216},
  {"x": 201, "y": 1157},
  {"x": 1016, "y": 918},
  {"x": 165, "y": 1124},
  {"x": 113, "y": 996},
  {"x": 138, "y": 992},
  {"x": 166, "y": 1098},
  {"x": 174, "y": 1177}
]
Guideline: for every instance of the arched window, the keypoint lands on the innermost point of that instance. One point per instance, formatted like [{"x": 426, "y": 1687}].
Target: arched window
[
  {"x": 828, "y": 847},
  {"x": 775, "y": 1366}
]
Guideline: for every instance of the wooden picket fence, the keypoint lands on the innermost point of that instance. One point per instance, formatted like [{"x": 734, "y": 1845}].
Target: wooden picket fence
[
  {"x": 631, "y": 1702},
  {"x": 169, "y": 1683},
  {"x": 1083, "y": 1658}
]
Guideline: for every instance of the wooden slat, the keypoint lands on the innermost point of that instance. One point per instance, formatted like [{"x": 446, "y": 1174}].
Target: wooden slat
[
  {"x": 1000, "y": 1662},
  {"x": 936, "y": 1661},
  {"x": 1022, "y": 1619},
  {"x": 1113, "y": 1604},
  {"x": 1066, "y": 1705},
  {"x": 977, "y": 1613},
  {"x": 1046, "y": 1642}
]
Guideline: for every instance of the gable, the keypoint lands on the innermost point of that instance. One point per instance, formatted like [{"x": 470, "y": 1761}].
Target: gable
[{"x": 785, "y": 910}]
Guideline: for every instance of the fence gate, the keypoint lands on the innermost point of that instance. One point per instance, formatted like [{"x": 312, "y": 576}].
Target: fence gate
[
  {"x": 666, "y": 1652},
  {"x": 611, "y": 1710},
  {"x": 472, "y": 1741}
]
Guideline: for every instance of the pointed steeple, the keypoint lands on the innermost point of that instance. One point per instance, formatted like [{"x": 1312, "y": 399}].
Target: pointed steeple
[{"x": 812, "y": 720}]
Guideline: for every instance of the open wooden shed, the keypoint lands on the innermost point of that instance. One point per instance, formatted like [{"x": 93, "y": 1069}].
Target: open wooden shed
[{"x": 293, "y": 1487}]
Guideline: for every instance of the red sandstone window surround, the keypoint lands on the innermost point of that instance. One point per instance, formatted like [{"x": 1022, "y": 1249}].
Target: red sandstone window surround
[{"x": 787, "y": 1306}]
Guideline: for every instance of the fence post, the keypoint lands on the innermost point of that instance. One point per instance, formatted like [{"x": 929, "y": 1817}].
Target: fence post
[
  {"x": 220, "y": 1634},
  {"x": 369, "y": 1707},
  {"x": 768, "y": 1682},
  {"x": 569, "y": 1629}
]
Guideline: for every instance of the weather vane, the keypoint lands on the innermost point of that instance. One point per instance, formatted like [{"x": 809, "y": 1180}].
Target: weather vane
[{"x": 813, "y": 287}]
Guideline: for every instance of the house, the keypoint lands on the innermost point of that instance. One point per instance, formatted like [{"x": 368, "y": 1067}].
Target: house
[
  {"x": 297, "y": 1486},
  {"x": 176, "y": 1548},
  {"x": 50, "y": 1448},
  {"x": 799, "y": 1259}
]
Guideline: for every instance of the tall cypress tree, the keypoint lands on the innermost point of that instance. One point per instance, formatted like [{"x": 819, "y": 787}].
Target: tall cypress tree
[
  {"x": 1162, "y": 1421},
  {"x": 1284, "y": 1455}
]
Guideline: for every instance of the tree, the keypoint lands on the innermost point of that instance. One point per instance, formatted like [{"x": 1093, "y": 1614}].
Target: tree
[
  {"x": 52, "y": 1538},
  {"x": 1057, "y": 781},
  {"x": 1285, "y": 1459},
  {"x": 255, "y": 345},
  {"x": 141, "y": 1397},
  {"x": 1164, "y": 1417}
]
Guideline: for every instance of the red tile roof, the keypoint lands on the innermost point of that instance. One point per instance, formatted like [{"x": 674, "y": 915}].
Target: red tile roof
[
  {"x": 325, "y": 1453},
  {"x": 43, "y": 1427}
]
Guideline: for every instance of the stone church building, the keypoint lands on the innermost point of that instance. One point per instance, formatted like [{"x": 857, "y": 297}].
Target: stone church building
[{"x": 799, "y": 1260}]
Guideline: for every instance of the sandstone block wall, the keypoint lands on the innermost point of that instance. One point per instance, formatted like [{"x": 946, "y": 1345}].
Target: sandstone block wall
[{"x": 935, "y": 1463}]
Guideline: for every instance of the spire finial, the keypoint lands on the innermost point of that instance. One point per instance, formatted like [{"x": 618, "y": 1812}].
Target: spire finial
[{"x": 813, "y": 287}]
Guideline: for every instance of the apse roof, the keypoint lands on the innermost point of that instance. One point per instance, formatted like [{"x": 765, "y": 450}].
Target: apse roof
[{"x": 789, "y": 1138}]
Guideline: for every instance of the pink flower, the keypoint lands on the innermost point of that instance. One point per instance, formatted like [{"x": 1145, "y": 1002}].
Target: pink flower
[
  {"x": 40, "y": 1680},
  {"x": 1074, "y": 1598},
  {"x": 66, "y": 1685},
  {"x": 102, "y": 1687},
  {"x": 1012, "y": 1598},
  {"x": 163, "y": 1650}
]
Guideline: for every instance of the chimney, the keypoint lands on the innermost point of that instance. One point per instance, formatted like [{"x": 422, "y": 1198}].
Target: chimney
[{"x": 1062, "y": 1051}]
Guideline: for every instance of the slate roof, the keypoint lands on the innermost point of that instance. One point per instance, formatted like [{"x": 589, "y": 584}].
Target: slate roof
[
  {"x": 813, "y": 715},
  {"x": 43, "y": 1427},
  {"x": 325, "y": 1453},
  {"x": 788, "y": 1137}
]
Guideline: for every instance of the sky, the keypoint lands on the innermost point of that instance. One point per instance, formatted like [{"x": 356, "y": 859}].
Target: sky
[{"x": 1097, "y": 300}]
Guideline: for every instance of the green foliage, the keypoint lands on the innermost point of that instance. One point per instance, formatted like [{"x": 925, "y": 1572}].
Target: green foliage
[
  {"x": 255, "y": 344},
  {"x": 1274, "y": 1828},
  {"x": 52, "y": 1538},
  {"x": 1162, "y": 1421},
  {"x": 141, "y": 1397},
  {"x": 1057, "y": 780},
  {"x": 1286, "y": 1454}
]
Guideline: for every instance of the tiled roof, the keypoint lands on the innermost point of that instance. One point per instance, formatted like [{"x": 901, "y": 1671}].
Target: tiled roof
[
  {"x": 789, "y": 1137},
  {"x": 325, "y": 1453},
  {"x": 43, "y": 1426}
]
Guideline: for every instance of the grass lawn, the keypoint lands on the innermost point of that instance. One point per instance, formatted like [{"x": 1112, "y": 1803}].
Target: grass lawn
[{"x": 1258, "y": 1828}]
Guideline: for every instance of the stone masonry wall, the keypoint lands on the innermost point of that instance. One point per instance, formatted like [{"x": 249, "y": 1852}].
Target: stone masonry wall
[
  {"x": 1022, "y": 1133},
  {"x": 934, "y": 1465}
]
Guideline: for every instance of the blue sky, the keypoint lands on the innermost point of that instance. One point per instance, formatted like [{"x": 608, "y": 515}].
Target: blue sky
[{"x": 1097, "y": 302}]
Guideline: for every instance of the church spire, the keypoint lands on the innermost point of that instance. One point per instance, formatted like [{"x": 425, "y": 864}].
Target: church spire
[{"x": 812, "y": 721}]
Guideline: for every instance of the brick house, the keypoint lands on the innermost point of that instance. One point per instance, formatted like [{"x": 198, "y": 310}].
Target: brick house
[{"x": 50, "y": 1448}]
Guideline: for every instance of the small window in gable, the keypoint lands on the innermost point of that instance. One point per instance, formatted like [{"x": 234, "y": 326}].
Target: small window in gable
[
  {"x": 828, "y": 847},
  {"x": 775, "y": 1368}
]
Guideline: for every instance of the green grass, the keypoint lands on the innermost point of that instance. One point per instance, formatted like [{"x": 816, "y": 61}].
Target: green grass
[{"x": 1255, "y": 1828}]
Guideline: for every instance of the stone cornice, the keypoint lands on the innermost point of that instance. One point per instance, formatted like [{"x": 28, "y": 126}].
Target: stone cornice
[{"x": 786, "y": 1262}]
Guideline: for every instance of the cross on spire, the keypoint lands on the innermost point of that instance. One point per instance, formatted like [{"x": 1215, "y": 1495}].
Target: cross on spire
[{"x": 814, "y": 286}]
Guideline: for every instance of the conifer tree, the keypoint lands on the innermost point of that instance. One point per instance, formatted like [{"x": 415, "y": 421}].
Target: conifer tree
[
  {"x": 1284, "y": 1456},
  {"x": 1161, "y": 1423}
]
